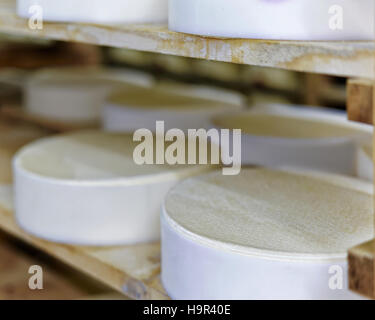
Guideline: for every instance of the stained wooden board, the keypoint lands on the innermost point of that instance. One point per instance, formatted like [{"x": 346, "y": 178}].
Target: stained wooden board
[
  {"x": 360, "y": 100},
  {"x": 362, "y": 269},
  {"x": 59, "y": 282},
  {"x": 131, "y": 270},
  {"x": 354, "y": 58}
]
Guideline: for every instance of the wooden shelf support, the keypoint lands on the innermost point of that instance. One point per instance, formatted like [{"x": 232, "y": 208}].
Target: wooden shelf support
[{"x": 360, "y": 100}]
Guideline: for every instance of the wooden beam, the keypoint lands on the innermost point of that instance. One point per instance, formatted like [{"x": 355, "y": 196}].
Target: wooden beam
[
  {"x": 361, "y": 258},
  {"x": 360, "y": 100},
  {"x": 361, "y": 269}
]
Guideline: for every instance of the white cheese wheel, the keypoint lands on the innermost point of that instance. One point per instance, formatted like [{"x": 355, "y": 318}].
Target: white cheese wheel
[
  {"x": 274, "y": 19},
  {"x": 263, "y": 234},
  {"x": 306, "y": 139},
  {"x": 96, "y": 11},
  {"x": 202, "y": 91},
  {"x": 365, "y": 164},
  {"x": 85, "y": 188},
  {"x": 136, "y": 109},
  {"x": 73, "y": 95}
]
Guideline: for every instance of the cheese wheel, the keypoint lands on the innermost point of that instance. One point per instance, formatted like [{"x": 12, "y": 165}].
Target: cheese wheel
[
  {"x": 279, "y": 20},
  {"x": 85, "y": 188},
  {"x": 263, "y": 234},
  {"x": 308, "y": 139},
  {"x": 136, "y": 109},
  {"x": 202, "y": 91},
  {"x": 365, "y": 164},
  {"x": 96, "y": 11},
  {"x": 73, "y": 95}
]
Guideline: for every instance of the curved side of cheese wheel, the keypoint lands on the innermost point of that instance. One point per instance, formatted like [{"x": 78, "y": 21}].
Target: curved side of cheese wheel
[
  {"x": 311, "y": 139},
  {"x": 364, "y": 162},
  {"x": 142, "y": 108},
  {"x": 207, "y": 251},
  {"x": 109, "y": 11},
  {"x": 66, "y": 98},
  {"x": 192, "y": 271},
  {"x": 279, "y": 20},
  {"x": 67, "y": 204}
]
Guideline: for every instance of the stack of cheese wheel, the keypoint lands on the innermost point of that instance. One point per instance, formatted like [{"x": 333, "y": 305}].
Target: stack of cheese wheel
[
  {"x": 73, "y": 95},
  {"x": 274, "y": 19},
  {"x": 95, "y": 11},
  {"x": 263, "y": 234},
  {"x": 85, "y": 188},
  {"x": 310, "y": 140},
  {"x": 365, "y": 164},
  {"x": 136, "y": 109}
]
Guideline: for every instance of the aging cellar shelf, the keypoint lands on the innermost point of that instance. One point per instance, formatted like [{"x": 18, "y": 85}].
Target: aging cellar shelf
[
  {"x": 353, "y": 58},
  {"x": 131, "y": 270}
]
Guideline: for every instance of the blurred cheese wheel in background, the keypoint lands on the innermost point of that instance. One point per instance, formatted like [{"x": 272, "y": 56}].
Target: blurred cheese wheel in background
[
  {"x": 365, "y": 164},
  {"x": 308, "y": 139},
  {"x": 262, "y": 234},
  {"x": 275, "y": 19},
  {"x": 136, "y": 109},
  {"x": 75, "y": 95},
  {"x": 202, "y": 91},
  {"x": 85, "y": 188},
  {"x": 96, "y": 11}
]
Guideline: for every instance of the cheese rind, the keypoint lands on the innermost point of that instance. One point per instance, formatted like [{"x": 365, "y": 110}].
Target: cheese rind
[
  {"x": 138, "y": 109},
  {"x": 306, "y": 139},
  {"x": 262, "y": 235},
  {"x": 279, "y": 20},
  {"x": 97, "y": 11}
]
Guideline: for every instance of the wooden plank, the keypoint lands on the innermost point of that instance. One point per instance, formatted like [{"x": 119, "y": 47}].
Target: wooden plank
[
  {"x": 353, "y": 58},
  {"x": 361, "y": 269},
  {"x": 131, "y": 270},
  {"x": 59, "y": 282},
  {"x": 360, "y": 100},
  {"x": 361, "y": 258}
]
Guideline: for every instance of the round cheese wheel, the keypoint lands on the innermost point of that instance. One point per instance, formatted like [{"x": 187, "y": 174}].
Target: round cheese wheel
[
  {"x": 75, "y": 95},
  {"x": 202, "y": 91},
  {"x": 130, "y": 110},
  {"x": 96, "y": 11},
  {"x": 310, "y": 139},
  {"x": 263, "y": 234},
  {"x": 85, "y": 188},
  {"x": 275, "y": 19}
]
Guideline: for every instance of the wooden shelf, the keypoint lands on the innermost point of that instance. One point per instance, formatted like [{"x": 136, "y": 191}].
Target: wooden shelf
[
  {"x": 131, "y": 270},
  {"x": 337, "y": 58}
]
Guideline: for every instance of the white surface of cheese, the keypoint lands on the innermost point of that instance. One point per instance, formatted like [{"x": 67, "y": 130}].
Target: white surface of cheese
[{"x": 279, "y": 20}]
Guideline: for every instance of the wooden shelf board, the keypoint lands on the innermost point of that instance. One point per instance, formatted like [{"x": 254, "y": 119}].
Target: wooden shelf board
[
  {"x": 131, "y": 270},
  {"x": 355, "y": 58}
]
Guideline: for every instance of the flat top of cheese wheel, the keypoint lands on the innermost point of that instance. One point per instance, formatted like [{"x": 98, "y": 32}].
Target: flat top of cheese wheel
[
  {"x": 90, "y": 156},
  {"x": 273, "y": 212},
  {"x": 149, "y": 99},
  {"x": 271, "y": 125}
]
